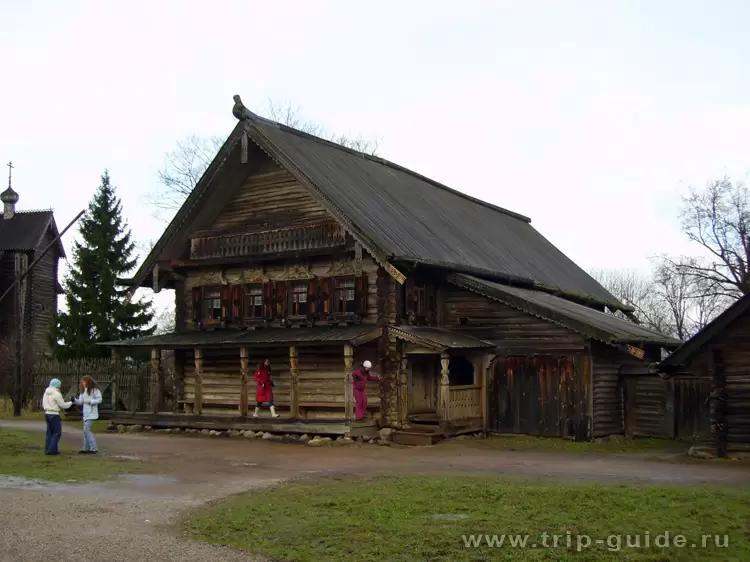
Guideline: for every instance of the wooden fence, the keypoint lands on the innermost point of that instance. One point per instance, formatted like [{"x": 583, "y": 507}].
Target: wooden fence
[{"x": 127, "y": 382}]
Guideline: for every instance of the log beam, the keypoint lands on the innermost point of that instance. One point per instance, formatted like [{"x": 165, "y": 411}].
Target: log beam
[
  {"x": 294, "y": 371},
  {"x": 157, "y": 380},
  {"x": 198, "y": 404},
  {"x": 348, "y": 390},
  {"x": 244, "y": 375}
]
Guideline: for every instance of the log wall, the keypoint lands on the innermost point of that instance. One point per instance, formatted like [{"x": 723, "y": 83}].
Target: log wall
[
  {"x": 516, "y": 332},
  {"x": 269, "y": 197}
]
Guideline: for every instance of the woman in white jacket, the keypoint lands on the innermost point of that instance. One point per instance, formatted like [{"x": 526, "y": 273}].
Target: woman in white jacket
[
  {"x": 90, "y": 398},
  {"x": 52, "y": 403}
]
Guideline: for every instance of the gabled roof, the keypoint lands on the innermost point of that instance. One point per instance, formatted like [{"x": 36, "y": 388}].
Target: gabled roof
[
  {"x": 438, "y": 338},
  {"x": 25, "y": 231},
  {"x": 403, "y": 217},
  {"x": 591, "y": 323},
  {"x": 685, "y": 353}
]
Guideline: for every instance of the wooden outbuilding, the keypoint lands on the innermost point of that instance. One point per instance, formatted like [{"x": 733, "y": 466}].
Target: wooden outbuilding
[
  {"x": 711, "y": 375},
  {"x": 318, "y": 257}
]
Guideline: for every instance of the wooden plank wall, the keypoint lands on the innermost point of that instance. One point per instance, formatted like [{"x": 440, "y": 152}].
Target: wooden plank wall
[
  {"x": 734, "y": 347},
  {"x": 269, "y": 197},
  {"x": 647, "y": 399},
  {"x": 518, "y": 332}
]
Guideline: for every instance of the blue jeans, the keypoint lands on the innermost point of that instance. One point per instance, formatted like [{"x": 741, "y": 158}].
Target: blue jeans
[
  {"x": 54, "y": 432},
  {"x": 89, "y": 443}
]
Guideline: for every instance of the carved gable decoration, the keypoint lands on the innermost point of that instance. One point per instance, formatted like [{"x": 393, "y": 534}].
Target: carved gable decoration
[
  {"x": 296, "y": 272},
  {"x": 340, "y": 268}
]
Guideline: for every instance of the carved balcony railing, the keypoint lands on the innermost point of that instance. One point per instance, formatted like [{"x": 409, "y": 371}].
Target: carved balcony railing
[
  {"x": 268, "y": 242},
  {"x": 465, "y": 402}
]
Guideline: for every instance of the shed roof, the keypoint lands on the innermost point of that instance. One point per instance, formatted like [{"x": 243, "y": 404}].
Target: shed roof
[
  {"x": 713, "y": 330},
  {"x": 25, "y": 231},
  {"x": 403, "y": 216},
  {"x": 439, "y": 338},
  {"x": 355, "y": 335},
  {"x": 591, "y": 323}
]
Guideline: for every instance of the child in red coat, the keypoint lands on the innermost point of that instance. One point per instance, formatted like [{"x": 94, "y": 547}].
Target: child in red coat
[{"x": 264, "y": 392}]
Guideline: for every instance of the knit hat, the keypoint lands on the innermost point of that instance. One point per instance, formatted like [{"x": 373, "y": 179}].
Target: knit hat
[{"x": 55, "y": 383}]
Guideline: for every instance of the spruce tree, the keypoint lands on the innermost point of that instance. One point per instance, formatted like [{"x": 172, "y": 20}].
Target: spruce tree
[{"x": 98, "y": 309}]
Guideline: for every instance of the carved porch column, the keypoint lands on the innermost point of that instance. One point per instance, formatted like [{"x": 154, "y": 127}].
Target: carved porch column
[
  {"x": 487, "y": 366},
  {"x": 348, "y": 391},
  {"x": 403, "y": 388},
  {"x": 157, "y": 380},
  {"x": 444, "y": 392},
  {"x": 244, "y": 374},
  {"x": 294, "y": 371},
  {"x": 198, "y": 406}
]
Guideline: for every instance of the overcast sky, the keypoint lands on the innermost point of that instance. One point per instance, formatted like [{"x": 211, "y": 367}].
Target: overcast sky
[{"x": 590, "y": 117}]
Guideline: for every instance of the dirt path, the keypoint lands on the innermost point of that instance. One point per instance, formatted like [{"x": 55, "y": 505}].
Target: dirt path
[{"x": 128, "y": 520}]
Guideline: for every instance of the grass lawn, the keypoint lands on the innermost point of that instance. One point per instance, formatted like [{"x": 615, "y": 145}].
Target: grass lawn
[
  {"x": 6, "y": 413},
  {"x": 400, "y": 519},
  {"x": 22, "y": 454}
]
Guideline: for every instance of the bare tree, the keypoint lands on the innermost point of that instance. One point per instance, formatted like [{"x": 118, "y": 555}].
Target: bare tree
[
  {"x": 718, "y": 219},
  {"x": 638, "y": 291},
  {"x": 165, "y": 321},
  {"x": 184, "y": 166}
]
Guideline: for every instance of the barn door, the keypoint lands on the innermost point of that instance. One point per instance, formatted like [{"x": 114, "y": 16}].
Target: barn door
[{"x": 533, "y": 395}]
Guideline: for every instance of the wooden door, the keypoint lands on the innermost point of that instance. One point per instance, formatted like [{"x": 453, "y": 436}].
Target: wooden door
[{"x": 422, "y": 384}]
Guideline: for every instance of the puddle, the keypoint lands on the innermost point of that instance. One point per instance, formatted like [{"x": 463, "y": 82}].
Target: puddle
[
  {"x": 451, "y": 516},
  {"x": 30, "y": 484},
  {"x": 148, "y": 479},
  {"x": 128, "y": 458}
]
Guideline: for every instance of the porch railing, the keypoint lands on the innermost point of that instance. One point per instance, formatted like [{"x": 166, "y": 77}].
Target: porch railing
[{"x": 465, "y": 402}]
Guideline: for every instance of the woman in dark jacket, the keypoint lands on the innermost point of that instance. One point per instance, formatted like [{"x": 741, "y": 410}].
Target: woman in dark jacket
[{"x": 264, "y": 392}]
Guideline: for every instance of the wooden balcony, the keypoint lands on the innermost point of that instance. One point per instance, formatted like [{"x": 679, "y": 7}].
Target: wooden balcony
[
  {"x": 269, "y": 242},
  {"x": 465, "y": 402}
]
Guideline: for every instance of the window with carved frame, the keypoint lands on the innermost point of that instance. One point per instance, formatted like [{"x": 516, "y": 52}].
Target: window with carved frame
[
  {"x": 211, "y": 304},
  {"x": 344, "y": 295},
  {"x": 254, "y": 301},
  {"x": 298, "y": 305}
]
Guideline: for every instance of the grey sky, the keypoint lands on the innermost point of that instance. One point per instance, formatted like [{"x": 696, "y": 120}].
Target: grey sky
[{"x": 588, "y": 116}]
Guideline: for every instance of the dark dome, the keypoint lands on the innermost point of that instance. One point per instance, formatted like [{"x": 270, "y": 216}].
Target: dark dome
[{"x": 9, "y": 196}]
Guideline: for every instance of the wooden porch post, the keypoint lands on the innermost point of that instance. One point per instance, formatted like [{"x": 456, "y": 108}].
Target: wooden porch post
[
  {"x": 403, "y": 384},
  {"x": 198, "y": 406},
  {"x": 487, "y": 365},
  {"x": 444, "y": 393},
  {"x": 244, "y": 374},
  {"x": 157, "y": 380},
  {"x": 294, "y": 371},
  {"x": 348, "y": 392}
]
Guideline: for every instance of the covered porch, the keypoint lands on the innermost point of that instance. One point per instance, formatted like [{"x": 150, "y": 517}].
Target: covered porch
[
  {"x": 442, "y": 390},
  {"x": 214, "y": 388}
]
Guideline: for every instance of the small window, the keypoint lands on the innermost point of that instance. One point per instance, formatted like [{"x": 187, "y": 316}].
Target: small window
[
  {"x": 298, "y": 299},
  {"x": 254, "y": 301},
  {"x": 343, "y": 294},
  {"x": 211, "y": 304}
]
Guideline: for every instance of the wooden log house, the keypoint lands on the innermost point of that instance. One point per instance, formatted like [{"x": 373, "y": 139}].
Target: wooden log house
[
  {"x": 319, "y": 257},
  {"x": 32, "y": 307},
  {"x": 708, "y": 380}
]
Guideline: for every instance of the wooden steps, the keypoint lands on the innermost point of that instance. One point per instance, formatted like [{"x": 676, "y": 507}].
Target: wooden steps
[{"x": 418, "y": 434}]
